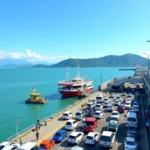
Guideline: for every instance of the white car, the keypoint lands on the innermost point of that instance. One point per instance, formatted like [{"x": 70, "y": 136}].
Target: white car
[
  {"x": 115, "y": 115},
  {"x": 71, "y": 124},
  {"x": 11, "y": 147},
  {"x": 127, "y": 105},
  {"x": 94, "y": 102},
  {"x": 106, "y": 102},
  {"x": 110, "y": 107},
  {"x": 118, "y": 97},
  {"x": 83, "y": 123},
  {"x": 92, "y": 138},
  {"x": 113, "y": 126},
  {"x": 107, "y": 139},
  {"x": 98, "y": 107},
  {"x": 98, "y": 114},
  {"x": 90, "y": 105},
  {"x": 117, "y": 102},
  {"x": 75, "y": 137},
  {"x": 99, "y": 98},
  {"x": 128, "y": 100},
  {"x": 130, "y": 143},
  {"x": 135, "y": 108},
  {"x": 4, "y": 144},
  {"x": 67, "y": 115}
]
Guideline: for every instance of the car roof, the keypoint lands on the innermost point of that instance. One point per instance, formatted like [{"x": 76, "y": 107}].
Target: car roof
[
  {"x": 79, "y": 111},
  {"x": 4, "y": 143},
  {"x": 75, "y": 133},
  {"x": 27, "y": 145},
  {"x": 92, "y": 133},
  {"x": 115, "y": 111},
  {"x": 89, "y": 103},
  {"x": 71, "y": 120},
  {"x": 60, "y": 131},
  {"x": 98, "y": 111},
  {"x": 8, "y": 147},
  {"x": 113, "y": 122},
  {"x": 109, "y": 105},
  {"x": 98, "y": 104},
  {"x": 131, "y": 139},
  {"x": 106, "y": 133},
  {"x": 90, "y": 119},
  {"x": 77, "y": 148}
]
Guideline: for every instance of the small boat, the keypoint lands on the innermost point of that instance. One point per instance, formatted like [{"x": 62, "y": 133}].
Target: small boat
[
  {"x": 35, "y": 98},
  {"x": 75, "y": 87}
]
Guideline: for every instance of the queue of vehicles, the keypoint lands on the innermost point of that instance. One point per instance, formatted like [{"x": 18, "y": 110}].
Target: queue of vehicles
[{"x": 89, "y": 122}]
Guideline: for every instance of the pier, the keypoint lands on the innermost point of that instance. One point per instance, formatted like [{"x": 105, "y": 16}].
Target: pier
[{"x": 55, "y": 122}]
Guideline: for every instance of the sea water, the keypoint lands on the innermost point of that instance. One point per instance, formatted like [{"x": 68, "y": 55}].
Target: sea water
[{"x": 16, "y": 86}]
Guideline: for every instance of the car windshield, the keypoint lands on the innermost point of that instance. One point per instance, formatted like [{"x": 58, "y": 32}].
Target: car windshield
[
  {"x": 65, "y": 114},
  {"x": 98, "y": 98},
  {"x": 130, "y": 143},
  {"x": 68, "y": 123},
  {"x": 127, "y": 103},
  {"x": 89, "y": 105},
  {"x": 112, "y": 130},
  {"x": 58, "y": 134},
  {"x": 72, "y": 137},
  {"x": 105, "y": 138},
  {"x": 131, "y": 119},
  {"x": 131, "y": 129},
  {"x": 89, "y": 137},
  {"x": 1, "y": 147},
  {"x": 114, "y": 113},
  {"x": 97, "y": 113},
  {"x": 78, "y": 114},
  {"x": 43, "y": 145},
  {"x": 89, "y": 123}
]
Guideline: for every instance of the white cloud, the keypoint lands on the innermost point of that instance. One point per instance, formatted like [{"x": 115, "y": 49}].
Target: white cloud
[
  {"x": 31, "y": 56},
  {"x": 145, "y": 53}
]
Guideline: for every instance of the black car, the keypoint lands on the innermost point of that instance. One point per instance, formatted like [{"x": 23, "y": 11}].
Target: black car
[{"x": 132, "y": 132}]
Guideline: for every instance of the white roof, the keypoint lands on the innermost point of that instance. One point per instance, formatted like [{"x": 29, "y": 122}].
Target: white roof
[
  {"x": 89, "y": 103},
  {"x": 92, "y": 133},
  {"x": 74, "y": 133},
  {"x": 71, "y": 120},
  {"x": 77, "y": 148},
  {"x": 4, "y": 143},
  {"x": 27, "y": 145},
  {"x": 9, "y": 147},
  {"x": 110, "y": 105},
  {"x": 115, "y": 111},
  {"x": 107, "y": 133},
  {"x": 97, "y": 111},
  {"x": 131, "y": 114},
  {"x": 131, "y": 139}
]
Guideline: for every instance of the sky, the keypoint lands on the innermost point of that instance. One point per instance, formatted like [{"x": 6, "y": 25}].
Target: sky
[{"x": 54, "y": 30}]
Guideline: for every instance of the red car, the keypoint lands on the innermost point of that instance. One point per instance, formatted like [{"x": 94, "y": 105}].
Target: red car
[
  {"x": 121, "y": 108},
  {"x": 47, "y": 144},
  {"x": 91, "y": 124}
]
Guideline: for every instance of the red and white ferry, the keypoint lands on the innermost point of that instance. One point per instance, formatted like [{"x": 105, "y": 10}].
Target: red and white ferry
[{"x": 75, "y": 87}]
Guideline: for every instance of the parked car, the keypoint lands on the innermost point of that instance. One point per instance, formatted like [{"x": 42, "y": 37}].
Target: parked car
[
  {"x": 90, "y": 105},
  {"x": 131, "y": 120},
  {"x": 132, "y": 132},
  {"x": 91, "y": 124},
  {"x": 112, "y": 95},
  {"x": 47, "y": 144},
  {"x": 115, "y": 115},
  {"x": 3, "y": 144},
  {"x": 130, "y": 143},
  {"x": 127, "y": 105},
  {"x": 94, "y": 102},
  {"x": 135, "y": 106},
  {"x": 121, "y": 108},
  {"x": 106, "y": 102},
  {"x": 123, "y": 94},
  {"x": 60, "y": 135},
  {"x": 11, "y": 147},
  {"x": 67, "y": 115},
  {"x": 77, "y": 148},
  {"x": 98, "y": 107},
  {"x": 83, "y": 123},
  {"x": 116, "y": 102},
  {"x": 75, "y": 138},
  {"x": 99, "y": 98},
  {"x": 107, "y": 139},
  {"x": 113, "y": 126},
  {"x": 119, "y": 98},
  {"x": 110, "y": 107},
  {"x": 98, "y": 114},
  {"x": 71, "y": 124},
  {"x": 92, "y": 138},
  {"x": 79, "y": 115}
]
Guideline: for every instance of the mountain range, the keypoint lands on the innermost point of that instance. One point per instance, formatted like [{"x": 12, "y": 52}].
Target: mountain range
[{"x": 126, "y": 60}]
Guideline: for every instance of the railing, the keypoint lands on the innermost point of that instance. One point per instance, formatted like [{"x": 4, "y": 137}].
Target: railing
[
  {"x": 21, "y": 132},
  {"x": 17, "y": 135}
]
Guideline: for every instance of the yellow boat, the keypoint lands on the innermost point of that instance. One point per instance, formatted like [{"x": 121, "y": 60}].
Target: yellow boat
[{"x": 35, "y": 98}]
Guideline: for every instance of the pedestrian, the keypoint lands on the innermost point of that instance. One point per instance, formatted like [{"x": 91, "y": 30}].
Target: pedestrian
[
  {"x": 39, "y": 126},
  {"x": 20, "y": 142},
  {"x": 37, "y": 135},
  {"x": 45, "y": 123},
  {"x": 147, "y": 125},
  {"x": 36, "y": 128},
  {"x": 38, "y": 121}
]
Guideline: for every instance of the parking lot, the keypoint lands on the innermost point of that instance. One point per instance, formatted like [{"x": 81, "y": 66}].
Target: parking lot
[{"x": 102, "y": 126}]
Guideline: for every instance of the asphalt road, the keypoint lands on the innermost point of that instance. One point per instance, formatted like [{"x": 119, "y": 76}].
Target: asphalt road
[{"x": 102, "y": 125}]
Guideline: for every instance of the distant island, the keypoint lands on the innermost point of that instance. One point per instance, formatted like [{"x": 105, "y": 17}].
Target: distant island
[{"x": 126, "y": 60}]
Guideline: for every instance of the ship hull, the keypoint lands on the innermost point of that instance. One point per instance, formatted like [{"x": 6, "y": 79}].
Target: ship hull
[{"x": 74, "y": 93}]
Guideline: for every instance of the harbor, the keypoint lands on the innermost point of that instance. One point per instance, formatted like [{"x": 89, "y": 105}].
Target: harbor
[{"x": 55, "y": 121}]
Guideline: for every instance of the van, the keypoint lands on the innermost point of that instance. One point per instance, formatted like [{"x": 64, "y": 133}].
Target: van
[
  {"x": 28, "y": 146},
  {"x": 79, "y": 115},
  {"x": 91, "y": 124},
  {"x": 99, "y": 98},
  {"x": 131, "y": 120}
]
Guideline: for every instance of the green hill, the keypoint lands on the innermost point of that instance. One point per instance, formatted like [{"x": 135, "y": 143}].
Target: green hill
[{"x": 126, "y": 60}]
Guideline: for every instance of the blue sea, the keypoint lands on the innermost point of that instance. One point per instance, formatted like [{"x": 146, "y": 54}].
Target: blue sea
[{"x": 16, "y": 85}]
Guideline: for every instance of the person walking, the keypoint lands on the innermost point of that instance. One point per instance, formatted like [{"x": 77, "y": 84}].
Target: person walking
[
  {"x": 45, "y": 123},
  {"x": 20, "y": 142},
  {"x": 37, "y": 135}
]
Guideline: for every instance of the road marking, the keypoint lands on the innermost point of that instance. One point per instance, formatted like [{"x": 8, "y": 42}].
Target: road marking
[{"x": 63, "y": 146}]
